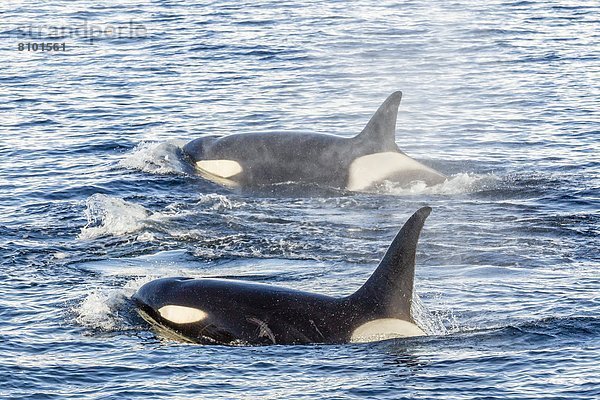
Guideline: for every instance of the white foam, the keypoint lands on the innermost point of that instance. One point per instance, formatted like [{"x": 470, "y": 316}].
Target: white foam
[
  {"x": 157, "y": 158},
  {"x": 113, "y": 216},
  {"x": 108, "y": 215},
  {"x": 59, "y": 255},
  {"x": 218, "y": 202},
  {"x": 102, "y": 307},
  {"x": 457, "y": 184}
]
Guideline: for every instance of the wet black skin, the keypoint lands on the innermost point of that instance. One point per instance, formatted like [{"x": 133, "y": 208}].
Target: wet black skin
[{"x": 252, "y": 313}]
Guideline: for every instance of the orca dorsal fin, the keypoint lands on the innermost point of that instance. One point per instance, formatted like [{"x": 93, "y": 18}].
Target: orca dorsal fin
[
  {"x": 381, "y": 128},
  {"x": 388, "y": 292}
]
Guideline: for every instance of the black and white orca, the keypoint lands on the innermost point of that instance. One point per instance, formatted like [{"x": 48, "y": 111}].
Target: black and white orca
[
  {"x": 356, "y": 163},
  {"x": 222, "y": 311}
]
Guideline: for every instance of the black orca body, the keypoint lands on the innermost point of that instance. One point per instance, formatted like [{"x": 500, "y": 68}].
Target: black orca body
[
  {"x": 224, "y": 311},
  {"x": 356, "y": 163}
]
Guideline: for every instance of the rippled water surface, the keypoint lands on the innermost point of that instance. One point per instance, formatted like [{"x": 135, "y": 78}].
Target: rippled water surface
[{"x": 502, "y": 96}]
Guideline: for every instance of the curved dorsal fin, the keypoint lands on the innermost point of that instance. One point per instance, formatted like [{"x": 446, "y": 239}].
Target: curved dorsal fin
[
  {"x": 388, "y": 292},
  {"x": 381, "y": 128}
]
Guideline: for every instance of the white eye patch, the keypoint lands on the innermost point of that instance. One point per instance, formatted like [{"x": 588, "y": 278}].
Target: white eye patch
[
  {"x": 220, "y": 168},
  {"x": 181, "y": 314}
]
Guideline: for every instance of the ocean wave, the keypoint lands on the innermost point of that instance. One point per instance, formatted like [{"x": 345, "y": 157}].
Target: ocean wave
[
  {"x": 218, "y": 202},
  {"x": 108, "y": 215},
  {"x": 112, "y": 216}
]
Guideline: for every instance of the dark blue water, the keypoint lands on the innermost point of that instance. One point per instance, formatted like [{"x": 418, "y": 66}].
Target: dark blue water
[{"x": 503, "y": 96}]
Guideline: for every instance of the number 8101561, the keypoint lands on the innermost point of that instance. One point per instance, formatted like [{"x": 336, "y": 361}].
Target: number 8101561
[{"x": 42, "y": 46}]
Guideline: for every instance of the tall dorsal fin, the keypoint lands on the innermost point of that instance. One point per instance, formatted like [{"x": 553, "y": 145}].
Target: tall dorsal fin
[
  {"x": 388, "y": 292},
  {"x": 381, "y": 128}
]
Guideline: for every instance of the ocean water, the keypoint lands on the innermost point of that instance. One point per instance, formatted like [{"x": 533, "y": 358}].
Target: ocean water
[{"x": 502, "y": 96}]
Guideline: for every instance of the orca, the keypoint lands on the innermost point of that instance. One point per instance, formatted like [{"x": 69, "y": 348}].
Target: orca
[
  {"x": 234, "y": 312},
  {"x": 254, "y": 160}
]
